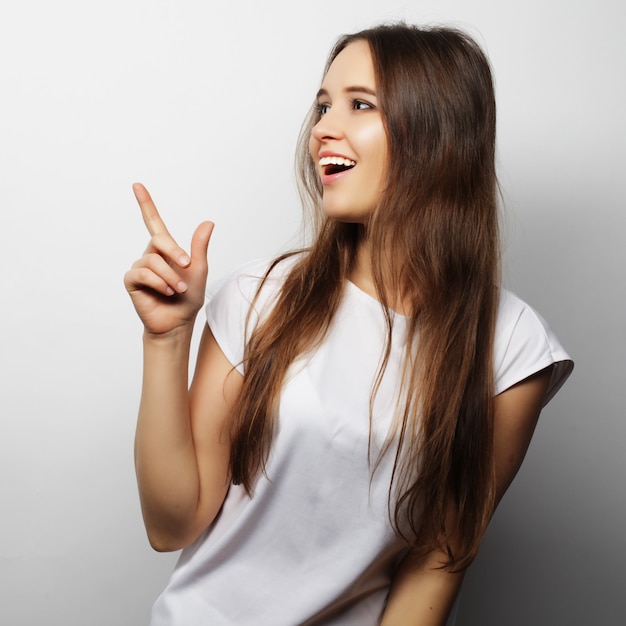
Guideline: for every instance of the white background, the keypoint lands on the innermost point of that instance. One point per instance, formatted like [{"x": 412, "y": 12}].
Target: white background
[{"x": 202, "y": 101}]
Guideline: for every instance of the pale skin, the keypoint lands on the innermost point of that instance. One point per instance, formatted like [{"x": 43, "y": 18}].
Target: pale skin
[{"x": 181, "y": 446}]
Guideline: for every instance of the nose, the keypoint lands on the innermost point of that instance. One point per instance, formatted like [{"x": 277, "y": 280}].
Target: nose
[{"x": 327, "y": 127}]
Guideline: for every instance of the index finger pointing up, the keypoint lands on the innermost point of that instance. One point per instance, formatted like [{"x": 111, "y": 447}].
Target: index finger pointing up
[{"x": 151, "y": 217}]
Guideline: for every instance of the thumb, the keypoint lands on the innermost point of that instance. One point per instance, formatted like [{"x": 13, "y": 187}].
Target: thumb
[{"x": 200, "y": 242}]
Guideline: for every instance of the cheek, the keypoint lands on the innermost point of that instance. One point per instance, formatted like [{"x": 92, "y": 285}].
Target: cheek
[
  {"x": 384, "y": 161},
  {"x": 374, "y": 140},
  {"x": 314, "y": 147}
]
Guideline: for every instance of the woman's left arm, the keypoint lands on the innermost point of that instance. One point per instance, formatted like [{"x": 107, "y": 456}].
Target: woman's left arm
[{"x": 423, "y": 595}]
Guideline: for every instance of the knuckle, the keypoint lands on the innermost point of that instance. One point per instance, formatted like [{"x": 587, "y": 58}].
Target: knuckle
[
  {"x": 154, "y": 260},
  {"x": 145, "y": 275}
]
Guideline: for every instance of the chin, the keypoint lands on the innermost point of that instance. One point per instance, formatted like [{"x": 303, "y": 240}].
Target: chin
[{"x": 345, "y": 215}]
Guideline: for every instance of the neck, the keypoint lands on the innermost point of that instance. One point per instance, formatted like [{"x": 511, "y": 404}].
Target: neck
[{"x": 362, "y": 276}]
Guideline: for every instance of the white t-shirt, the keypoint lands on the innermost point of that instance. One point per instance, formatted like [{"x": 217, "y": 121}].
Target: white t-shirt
[{"x": 314, "y": 545}]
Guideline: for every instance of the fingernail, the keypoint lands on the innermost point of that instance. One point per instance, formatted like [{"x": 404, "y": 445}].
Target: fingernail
[
  {"x": 184, "y": 259},
  {"x": 169, "y": 291},
  {"x": 181, "y": 286}
]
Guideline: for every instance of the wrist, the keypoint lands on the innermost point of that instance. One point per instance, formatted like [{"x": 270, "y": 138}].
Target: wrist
[{"x": 180, "y": 335}]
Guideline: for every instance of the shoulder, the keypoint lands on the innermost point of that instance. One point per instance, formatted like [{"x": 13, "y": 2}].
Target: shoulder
[
  {"x": 244, "y": 281},
  {"x": 237, "y": 301},
  {"x": 525, "y": 344}
]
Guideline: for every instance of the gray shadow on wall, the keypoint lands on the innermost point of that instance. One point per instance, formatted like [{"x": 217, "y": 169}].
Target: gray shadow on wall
[
  {"x": 555, "y": 550},
  {"x": 548, "y": 559}
]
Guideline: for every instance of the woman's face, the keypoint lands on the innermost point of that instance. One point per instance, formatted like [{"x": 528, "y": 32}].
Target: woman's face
[{"x": 349, "y": 143}]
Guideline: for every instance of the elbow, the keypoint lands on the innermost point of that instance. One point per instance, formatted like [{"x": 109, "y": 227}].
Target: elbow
[
  {"x": 164, "y": 541},
  {"x": 162, "y": 544},
  {"x": 169, "y": 532}
]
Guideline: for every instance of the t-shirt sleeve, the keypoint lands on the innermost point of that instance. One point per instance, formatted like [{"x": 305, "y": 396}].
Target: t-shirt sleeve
[
  {"x": 524, "y": 345},
  {"x": 228, "y": 307}
]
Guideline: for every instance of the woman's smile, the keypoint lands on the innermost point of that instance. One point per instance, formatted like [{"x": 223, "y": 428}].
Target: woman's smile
[
  {"x": 349, "y": 141},
  {"x": 333, "y": 167}
]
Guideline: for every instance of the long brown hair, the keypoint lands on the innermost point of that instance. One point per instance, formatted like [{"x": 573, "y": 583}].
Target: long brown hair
[{"x": 434, "y": 239}]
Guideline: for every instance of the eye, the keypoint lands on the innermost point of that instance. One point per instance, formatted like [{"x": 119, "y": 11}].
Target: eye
[
  {"x": 322, "y": 109},
  {"x": 361, "y": 105}
]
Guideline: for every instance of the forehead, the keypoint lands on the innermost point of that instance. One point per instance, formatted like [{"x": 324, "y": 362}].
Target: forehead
[{"x": 353, "y": 66}]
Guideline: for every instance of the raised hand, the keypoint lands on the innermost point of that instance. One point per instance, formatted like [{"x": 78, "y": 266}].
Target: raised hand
[{"x": 167, "y": 286}]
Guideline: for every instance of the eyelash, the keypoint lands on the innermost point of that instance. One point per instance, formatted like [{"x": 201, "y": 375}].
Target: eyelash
[
  {"x": 366, "y": 105},
  {"x": 322, "y": 109}
]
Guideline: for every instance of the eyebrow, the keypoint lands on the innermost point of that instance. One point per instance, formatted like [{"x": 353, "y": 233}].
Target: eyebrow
[{"x": 354, "y": 89}]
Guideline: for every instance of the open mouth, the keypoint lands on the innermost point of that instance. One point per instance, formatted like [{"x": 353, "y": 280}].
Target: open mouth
[{"x": 335, "y": 165}]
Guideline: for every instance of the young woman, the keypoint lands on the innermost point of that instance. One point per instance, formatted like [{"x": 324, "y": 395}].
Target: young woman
[{"x": 358, "y": 408}]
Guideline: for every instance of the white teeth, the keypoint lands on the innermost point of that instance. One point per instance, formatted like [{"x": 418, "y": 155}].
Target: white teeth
[{"x": 335, "y": 160}]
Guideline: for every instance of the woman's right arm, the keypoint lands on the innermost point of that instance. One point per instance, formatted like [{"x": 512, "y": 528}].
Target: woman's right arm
[{"x": 181, "y": 446}]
